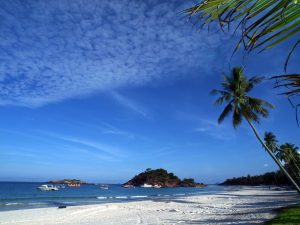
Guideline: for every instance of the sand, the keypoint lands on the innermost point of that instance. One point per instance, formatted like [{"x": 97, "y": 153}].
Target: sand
[{"x": 245, "y": 206}]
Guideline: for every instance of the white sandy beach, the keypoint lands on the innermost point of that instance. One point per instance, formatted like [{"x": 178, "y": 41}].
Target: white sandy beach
[{"x": 246, "y": 206}]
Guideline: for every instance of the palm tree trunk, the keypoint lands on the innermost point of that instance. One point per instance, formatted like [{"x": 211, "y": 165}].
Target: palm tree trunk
[{"x": 273, "y": 157}]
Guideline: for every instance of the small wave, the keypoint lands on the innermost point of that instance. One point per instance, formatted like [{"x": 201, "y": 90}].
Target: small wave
[
  {"x": 121, "y": 197},
  {"x": 102, "y": 197},
  {"x": 34, "y": 203},
  {"x": 139, "y": 196},
  {"x": 11, "y": 203}
]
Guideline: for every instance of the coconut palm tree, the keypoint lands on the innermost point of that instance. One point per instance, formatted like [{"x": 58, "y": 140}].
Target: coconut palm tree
[
  {"x": 271, "y": 141},
  {"x": 235, "y": 93},
  {"x": 288, "y": 153}
]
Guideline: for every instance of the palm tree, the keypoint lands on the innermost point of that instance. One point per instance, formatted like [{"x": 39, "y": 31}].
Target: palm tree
[
  {"x": 288, "y": 153},
  {"x": 235, "y": 93},
  {"x": 271, "y": 141}
]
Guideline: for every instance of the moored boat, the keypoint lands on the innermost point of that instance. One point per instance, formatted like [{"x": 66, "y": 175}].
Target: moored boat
[
  {"x": 46, "y": 187},
  {"x": 104, "y": 186},
  {"x": 127, "y": 186},
  {"x": 145, "y": 185}
]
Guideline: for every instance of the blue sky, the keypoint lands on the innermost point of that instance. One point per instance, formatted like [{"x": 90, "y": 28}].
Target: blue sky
[{"x": 102, "y": 90}]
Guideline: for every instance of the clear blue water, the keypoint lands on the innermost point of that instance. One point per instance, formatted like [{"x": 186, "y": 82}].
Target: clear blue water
[{"x": 23, "y": 195}]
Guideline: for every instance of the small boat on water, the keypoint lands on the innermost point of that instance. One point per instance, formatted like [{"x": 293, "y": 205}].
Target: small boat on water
[
  {"x": 145, "y": 185},
  {"x": 127, "y": 186},
  {"x": 104, "y": 187},
  {"x": 46, "y": 187},
  {"x": 157, "y": 186}
]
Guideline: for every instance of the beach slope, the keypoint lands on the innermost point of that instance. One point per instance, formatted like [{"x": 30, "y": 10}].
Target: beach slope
[{"x": 244, "y": 206}]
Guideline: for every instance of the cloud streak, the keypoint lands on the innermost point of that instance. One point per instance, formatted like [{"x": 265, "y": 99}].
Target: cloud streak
[
  {"x": 100, "y": 150},
  {"x": 215, "y": 130},
  {"x": 131, "y": 104},
  {"x": 206, "y": 126},
  {"x": 55, "y": 50}
]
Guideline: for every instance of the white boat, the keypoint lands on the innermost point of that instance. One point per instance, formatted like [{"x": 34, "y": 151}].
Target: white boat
[
  {"x": 157, "y": 186},
  {"x": 104, "y": 187},
  {"x": 46, "y": 187},
  {"x": 146, "y": 185},
  {"x": 127, "y": 186}
]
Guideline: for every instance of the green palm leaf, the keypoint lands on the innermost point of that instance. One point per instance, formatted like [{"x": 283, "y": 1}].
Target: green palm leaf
[{"x": 264, "y": 23}]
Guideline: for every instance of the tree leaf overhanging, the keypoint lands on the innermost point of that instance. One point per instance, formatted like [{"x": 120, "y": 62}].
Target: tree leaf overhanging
[{"x": 263, "y": 23}]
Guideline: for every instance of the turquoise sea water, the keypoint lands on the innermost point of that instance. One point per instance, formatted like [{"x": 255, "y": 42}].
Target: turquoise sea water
[{"x": 23, "y": 195}]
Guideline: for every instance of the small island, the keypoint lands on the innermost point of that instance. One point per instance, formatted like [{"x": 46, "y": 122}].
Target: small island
[
  {"x": 68, "y": 182},
  {"x": 160, "y": 178}
]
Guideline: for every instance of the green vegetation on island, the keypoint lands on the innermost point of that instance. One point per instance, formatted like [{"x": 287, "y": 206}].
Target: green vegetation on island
[
  {"x": 162, "y": 178},
  {"x": 271, "y": 178},
  {"x": 287, "y": 154},
  {"x": 67, "y": 181}
]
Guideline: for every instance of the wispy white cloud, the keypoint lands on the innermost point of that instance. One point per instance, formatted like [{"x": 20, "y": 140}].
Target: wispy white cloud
[
  {"x": 103, "y": 127},
  {"x": 110, "y": 129},
  {"x": 131, "y": 104},
  {"x": 215, "y": 130},
  {"x": 53, "y": 50},
  {"x": 207, "y": 126},
  {"x": 100, "y": 150},
  {"x": 87, "y": 152}
]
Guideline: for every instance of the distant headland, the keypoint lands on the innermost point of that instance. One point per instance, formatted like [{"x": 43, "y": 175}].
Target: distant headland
[
  {"x": 160, "y": 178},
  {"x": 271, "y": 178}
]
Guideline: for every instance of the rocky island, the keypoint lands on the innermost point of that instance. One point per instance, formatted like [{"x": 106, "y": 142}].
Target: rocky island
[
  {"x": 68, "y": 182},
  {"x": 161, "y": 178}
]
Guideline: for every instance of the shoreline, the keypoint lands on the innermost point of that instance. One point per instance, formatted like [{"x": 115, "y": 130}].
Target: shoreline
[{"x": 248, "y": 205}]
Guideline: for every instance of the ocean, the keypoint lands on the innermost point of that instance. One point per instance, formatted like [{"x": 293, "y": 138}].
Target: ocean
[{"x": 25, "y": 195}]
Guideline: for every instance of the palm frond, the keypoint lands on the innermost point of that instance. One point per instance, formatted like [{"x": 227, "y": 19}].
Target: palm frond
[
  {"x": 290, "y": 82},
  {"x": 259, "y": 106},
  {"x": 264, "y": 23},
  {"x": 225, "y": 112},
  {"x": 254, "y": 81},
  {"x": 249, "y": 113},
  {"x": 236, "y": 118}
]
